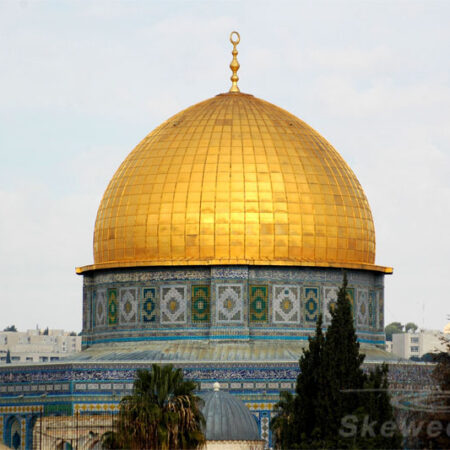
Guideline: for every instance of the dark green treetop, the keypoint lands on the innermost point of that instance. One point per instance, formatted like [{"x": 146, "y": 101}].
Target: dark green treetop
[
  {"x": 390, "y": 329},
  {"x": 411, "y": 326}
]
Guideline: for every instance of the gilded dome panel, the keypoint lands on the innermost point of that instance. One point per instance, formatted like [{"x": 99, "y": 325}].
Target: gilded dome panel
[{"x": 234, "y": 180}]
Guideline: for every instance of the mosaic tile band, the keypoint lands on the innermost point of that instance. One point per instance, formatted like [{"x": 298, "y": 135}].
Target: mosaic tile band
[{"x": 237, "y": 302}]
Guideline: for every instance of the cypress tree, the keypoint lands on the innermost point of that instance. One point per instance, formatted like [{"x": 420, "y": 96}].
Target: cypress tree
[
  {"x": 302, "y": 419},
  {"x": 343, "y": 362},
  {"x": 312, "y": 405}
]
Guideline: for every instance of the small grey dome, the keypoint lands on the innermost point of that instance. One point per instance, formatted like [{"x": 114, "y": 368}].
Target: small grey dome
[{"x": 227, "y": 418}]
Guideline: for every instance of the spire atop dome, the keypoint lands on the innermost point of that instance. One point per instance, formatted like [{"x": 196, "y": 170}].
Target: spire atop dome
[{"x": 235, "y": 38}]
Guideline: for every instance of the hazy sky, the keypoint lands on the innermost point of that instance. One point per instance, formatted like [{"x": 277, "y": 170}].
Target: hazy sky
[{"x": 81, "y": 83}]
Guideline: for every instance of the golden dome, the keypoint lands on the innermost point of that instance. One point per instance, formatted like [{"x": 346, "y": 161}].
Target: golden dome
[{"x": 234, "y": 180}]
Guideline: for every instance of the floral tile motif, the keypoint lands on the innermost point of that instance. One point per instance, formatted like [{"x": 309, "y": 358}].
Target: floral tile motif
[
  {"x": 372, "y": 309},
  {"x": 112, "y": 306},
  {"x": 200, "y": 304},
  {"x": 265, "y": 427},
  {"x": 100, "y": 307},
  {"x": 362, "y": 314},
  {"x": 259, "y": 304},
  {"x": 91, "y": 304},
  {"x": 329, "y": 302},
  {"x": 128, "y": 305},
  {"x": 286, "y": 304},
  {"x": 229, "y": 303},
  {"x": 149, "y": 305},
  {"x": 173, "y": 304},
  {"x": 380, "y": 310},
  {"x": 311, "y": 303},
  {"x": 86, "y": 309},
  {"x": 291, "y": 296}
]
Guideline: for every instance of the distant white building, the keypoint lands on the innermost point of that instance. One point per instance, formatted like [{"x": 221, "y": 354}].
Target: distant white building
[
  {"x": 417, "y": 344},
  {"x": 34, "y": 346}
]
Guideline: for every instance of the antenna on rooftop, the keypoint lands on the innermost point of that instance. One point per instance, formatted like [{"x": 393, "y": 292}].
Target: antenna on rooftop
[{"x": 423, "y": 315}]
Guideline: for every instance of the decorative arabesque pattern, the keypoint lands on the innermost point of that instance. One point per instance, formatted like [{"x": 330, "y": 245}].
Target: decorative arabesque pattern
[
  {"x": 100, "y": 307},
  {"x": 149, "y": 305},
  {"x": 229, "y": 303},
  {"x": 311, "y": 302},
  {"x": 128, "y": 306},
  {"x": 91, "y": 304},
  {"x": 373, "y": 310},
  {"x": 173, "y": 304},
  {"x": 329, "y": 302},
  {"x": 286, "y": 304},
  {"x": 86, "y": 309},
  {"x": 259, "y": 304},
  {"x": 265, "y": 429},
  {"x": 234, "y": 295},
  {"x": 200, "y": 304},
  {"x": 362, "y": 317},
  {"x": 380, "y": 310},
  {"x": 112, "y": 306}
]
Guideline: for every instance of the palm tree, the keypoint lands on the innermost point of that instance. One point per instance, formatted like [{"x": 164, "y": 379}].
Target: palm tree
[
  {"x": 283, "y": 424},
  {"x": 162, "y": 413}
]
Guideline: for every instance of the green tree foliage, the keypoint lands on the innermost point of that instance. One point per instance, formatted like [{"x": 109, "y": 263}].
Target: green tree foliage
[
  {"x": 390, "y": 329},
  {"x": 10, "y": 328},
  {"x": 411, "y": 326},
  {"x": 313, "y": 405},
  {"x": 161, "y": 413},
  {"x": 342, "y": 361},
  {"x": 302, "y": 418},
  {"x": 332, "y": 386},
  {"x": 397, "y": 327},
  {"x": 378, "y": 410},
  {"x": 285, "y": 423}
]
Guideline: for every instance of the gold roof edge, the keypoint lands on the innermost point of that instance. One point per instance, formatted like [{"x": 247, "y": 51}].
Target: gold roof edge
[{"x": 237, "y": 262}]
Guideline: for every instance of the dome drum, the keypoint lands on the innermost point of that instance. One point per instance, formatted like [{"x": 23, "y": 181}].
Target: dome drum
[
  {"x": 232, "y": 220},
  {"x": 224, "y": 303}
]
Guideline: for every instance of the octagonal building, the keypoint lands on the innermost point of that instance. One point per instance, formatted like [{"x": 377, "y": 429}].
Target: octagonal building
[
  {"x": 218, "y": 242},
  {"x": 229, "y": 223}
]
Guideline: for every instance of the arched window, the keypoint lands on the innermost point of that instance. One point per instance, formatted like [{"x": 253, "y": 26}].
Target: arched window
[{"x": 13, "y": 433}]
